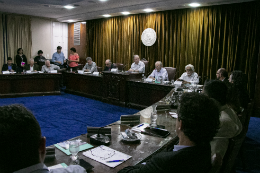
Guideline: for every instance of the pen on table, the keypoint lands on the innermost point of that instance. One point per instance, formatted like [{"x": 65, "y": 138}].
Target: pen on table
[
  {"x": 115, "y": 161},
  {"x": 140, "y": 125}
]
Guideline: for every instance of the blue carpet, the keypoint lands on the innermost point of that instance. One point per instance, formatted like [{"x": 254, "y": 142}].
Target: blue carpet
[{"x": 65, "y": 116}]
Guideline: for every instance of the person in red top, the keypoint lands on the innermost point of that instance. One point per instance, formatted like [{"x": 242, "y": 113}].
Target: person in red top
[{"x": 73, "y": 60}]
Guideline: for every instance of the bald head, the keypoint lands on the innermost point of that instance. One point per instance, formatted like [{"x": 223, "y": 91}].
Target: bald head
[
  {"x": 136, "y": 59},
  {"x": 47, "y": 63},
  {"x": 158, "y": 65},
  {"x": 108, "y": 63}
]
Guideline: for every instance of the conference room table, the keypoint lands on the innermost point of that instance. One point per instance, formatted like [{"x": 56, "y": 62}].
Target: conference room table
[
  {"x": 123, "y": 89},
  {"x": 140, "y": 152},
  {"x": 17, "y": 85}
]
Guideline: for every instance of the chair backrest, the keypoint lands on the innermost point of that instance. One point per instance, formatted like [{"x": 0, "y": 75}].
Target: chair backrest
[
  {"x": 99, "y": 69},
  {"x": 171, "y": 72},
  {"x": 119, "y": 66},
  {"x": 146, "y": 63}
]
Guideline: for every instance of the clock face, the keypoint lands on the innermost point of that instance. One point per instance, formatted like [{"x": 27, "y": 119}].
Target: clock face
[{"x": 148, "y": 37}]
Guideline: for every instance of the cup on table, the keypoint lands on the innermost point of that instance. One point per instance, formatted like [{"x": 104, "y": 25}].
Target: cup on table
[{"x": 74, "y": 149}]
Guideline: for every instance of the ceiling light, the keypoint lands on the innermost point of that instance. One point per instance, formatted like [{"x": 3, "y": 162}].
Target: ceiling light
[
  {"x": 69, "y": 7},
  {"x": 125, "y": 13},
  {"x": 194, "y": 4},
  {"x": 148, "y": 10},
  {"x": 106, "y": 15},
  {"x": 83, "y": 22},
  {"x": 70, "y": 20},
  {"x": 102, "y": 0}
]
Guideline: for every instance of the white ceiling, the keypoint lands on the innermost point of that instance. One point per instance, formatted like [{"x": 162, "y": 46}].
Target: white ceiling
[{"x": 94, "y": 9}]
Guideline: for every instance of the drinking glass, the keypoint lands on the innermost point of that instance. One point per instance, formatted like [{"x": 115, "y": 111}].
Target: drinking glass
[
  {"x": 153, "y": 119},
  {"x": 74, "y": 149},
  {"x": 172, "y": 81}
]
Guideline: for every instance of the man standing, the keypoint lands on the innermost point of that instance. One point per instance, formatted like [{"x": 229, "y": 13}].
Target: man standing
[
  {"x": 109, "y": 65},
  {"x": 90, "y": 65},
  {"x": 137, "y": 66},
  {"x": 49, "y": 67},
  {"x": 195, "y": 129},
  {"x": 39, "y": 59},
  {"x": 31, "y": 66},
  {"x": 190, "y": 75},
  {"x": 159, "y": 71},
  {"x": 9, "y": 66},
  {"x": 58, "y": 58},
  {"x": 23, "y": 146}
]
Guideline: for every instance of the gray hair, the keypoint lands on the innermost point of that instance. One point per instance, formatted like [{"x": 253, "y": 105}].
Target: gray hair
[
  {"x": 47, "y": 61},
  {"x": 159, "y": 63},
  {"x": 109, "y": 61},
  {"x": 191, "y": 66},
  {"x": 31, "y": 59},
  {"x": 88, "y": 58},
  {"x": 136, "y": 56}
]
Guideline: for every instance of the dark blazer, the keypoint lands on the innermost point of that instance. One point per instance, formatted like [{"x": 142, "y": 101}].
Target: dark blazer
[
  {"x": 226, "y": 81},
  {"x": 35, "y": 67},
  {"x": 5, "y": 67},
  {"x": 109, "y": 69},
  {"x": 186, "y": 160},
  {"x": 19, "y": 60}
]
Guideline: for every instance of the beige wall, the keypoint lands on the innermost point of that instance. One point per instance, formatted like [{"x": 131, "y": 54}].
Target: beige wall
[{"x": 41, "y": 36}]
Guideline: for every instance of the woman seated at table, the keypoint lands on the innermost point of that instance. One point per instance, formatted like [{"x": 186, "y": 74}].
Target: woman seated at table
[
  {"x": 73, "y": 60},
  {"x": 21, "y": 60},
  {"x": 9, "y": 66}
]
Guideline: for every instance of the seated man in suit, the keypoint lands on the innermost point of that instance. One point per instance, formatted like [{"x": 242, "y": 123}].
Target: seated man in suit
[
  {"x": 90, "y": 65},
  {"x": 230, "y": 125},
  {"x": 137, "y": 66},
  {"x": 9, "y": 66},
  {"x": 31, "y": 66},
  {"x": 39, "y": 59},
  {"x": 109, "y": 65},
  {"x": 159, "y": 71},
  {"x": 49, "y": 67},
  {"x": 23, "y": 146},
  {"x": 195, "y": 129},
  {"x": 190, "y": 75},
  {"x": 222, "y": 75}
]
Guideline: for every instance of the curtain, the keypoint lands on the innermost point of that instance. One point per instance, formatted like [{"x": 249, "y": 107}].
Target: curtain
[
  {"x": 2, "y": 42},
  {"x": 212, "y": 37},
  {"x": 18, "y": 35}
]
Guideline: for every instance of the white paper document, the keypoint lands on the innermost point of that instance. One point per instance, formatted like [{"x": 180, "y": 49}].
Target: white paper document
[
  {"x": 53, "y": 71},
  {"x": 173, "y": 114},
  {"x": 80, "y": 71},
  {"x": 177, "y": 82},
  {"x": 96, "y": 73},
  {"x": 103, "y": 154}
]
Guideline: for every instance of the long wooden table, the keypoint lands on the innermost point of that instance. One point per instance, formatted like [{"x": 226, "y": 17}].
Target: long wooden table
[
  {"x": 15, "y": 85},
  {"x": 140, "y": 152},
  {"x": 122, "y": 89}
]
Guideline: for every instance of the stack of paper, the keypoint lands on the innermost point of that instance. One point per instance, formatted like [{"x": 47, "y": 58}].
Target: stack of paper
[{"x": 105, "y": 154}]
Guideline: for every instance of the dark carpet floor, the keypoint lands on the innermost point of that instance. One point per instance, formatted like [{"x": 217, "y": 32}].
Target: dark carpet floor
[{"x": 65, "y": 116}]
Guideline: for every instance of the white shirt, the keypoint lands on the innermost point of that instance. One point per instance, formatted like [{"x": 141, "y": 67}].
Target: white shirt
[
  {"x": 41, "y": 168},
  {"x": 179, "y": 147},
  {"x": 193, "y": 77},
  {"x": 163, "y": 72},
  {"x": 31, "y": 68},
  {"x": 140, "y": 67}
]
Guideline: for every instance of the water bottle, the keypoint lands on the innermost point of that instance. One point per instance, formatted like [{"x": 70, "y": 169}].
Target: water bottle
[{"x": 154, "y": 117}]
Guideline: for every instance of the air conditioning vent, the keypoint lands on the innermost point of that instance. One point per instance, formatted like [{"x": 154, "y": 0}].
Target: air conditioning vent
[{"x": 77, "y": 33}]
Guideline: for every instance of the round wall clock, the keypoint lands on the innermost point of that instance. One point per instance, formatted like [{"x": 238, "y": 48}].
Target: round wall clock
[{"x": 148, "y": 37}]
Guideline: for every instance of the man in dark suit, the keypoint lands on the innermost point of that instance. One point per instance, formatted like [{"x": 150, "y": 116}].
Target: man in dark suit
[
  {"x": 9, "y": 66},
  {"x": 109, "y": 65},
  {"x": 31, "y": 66},
  {"x": 196, "y": 125},
  {"x": 222, "y": 75}
]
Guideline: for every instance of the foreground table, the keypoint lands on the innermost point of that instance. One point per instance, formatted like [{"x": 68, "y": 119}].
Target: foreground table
[
  {"x": 140, "y": 152},
  {"x": 16, "y": 85}
]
